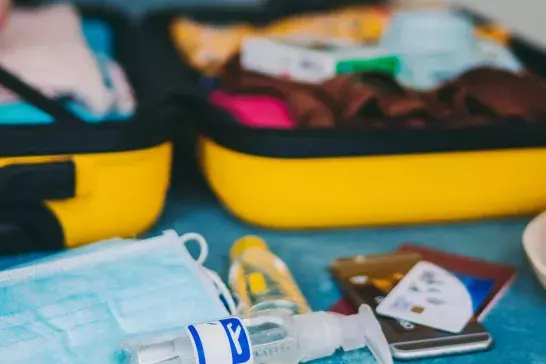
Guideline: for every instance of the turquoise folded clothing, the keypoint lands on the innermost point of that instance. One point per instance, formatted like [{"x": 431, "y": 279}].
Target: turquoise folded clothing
[{"x": 436, "y": 46}]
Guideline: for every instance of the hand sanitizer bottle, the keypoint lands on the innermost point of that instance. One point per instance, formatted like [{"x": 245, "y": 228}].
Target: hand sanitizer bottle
[{"x": 264, "y": 337}]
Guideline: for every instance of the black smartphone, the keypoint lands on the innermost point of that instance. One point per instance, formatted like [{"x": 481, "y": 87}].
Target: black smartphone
[{"x": 368, "y": 279}]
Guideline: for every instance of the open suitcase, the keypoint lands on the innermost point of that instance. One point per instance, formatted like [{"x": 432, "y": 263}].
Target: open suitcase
[
  {"x": 329, "y": 178},
  {"x": 66, "y": 181}
]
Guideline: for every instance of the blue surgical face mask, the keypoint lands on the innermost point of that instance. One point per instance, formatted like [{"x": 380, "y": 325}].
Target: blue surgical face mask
[{"x": 80, "y": 305}]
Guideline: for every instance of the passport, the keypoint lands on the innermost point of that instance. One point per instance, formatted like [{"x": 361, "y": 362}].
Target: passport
[{"x": 369, "y": 279}]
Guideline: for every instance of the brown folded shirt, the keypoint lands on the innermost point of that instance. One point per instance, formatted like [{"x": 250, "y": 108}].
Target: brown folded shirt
[{"x": 372, "y": 101}]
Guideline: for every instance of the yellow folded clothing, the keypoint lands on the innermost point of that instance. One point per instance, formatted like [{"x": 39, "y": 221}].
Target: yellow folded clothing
[
  {"x": 494, "y": 32},
  {"x": 208, "y": 47}
]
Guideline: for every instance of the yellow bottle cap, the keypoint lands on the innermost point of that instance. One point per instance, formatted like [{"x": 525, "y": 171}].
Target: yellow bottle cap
[{"x": 247, "y": 242}]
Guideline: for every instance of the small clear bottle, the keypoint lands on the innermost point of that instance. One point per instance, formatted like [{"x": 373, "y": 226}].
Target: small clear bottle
[
  {"x": 261, "y": 281},
  {"x": 264, "y": 338}
]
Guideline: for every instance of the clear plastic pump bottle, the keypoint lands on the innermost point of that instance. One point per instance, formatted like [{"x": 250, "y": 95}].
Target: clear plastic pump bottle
[
  {"x": 271, "y": 336},
  {"x": 261, "y": 281}
]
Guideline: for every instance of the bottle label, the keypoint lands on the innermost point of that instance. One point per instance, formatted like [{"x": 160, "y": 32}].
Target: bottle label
[{"x": 221, "y": 342}]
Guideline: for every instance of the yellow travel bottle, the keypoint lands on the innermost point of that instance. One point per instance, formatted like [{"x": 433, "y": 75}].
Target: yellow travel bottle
[{"x": 261, "y": 281}]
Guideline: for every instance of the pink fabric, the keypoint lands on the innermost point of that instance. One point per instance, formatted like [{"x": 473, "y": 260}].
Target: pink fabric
[{"x": 255, "y": 111}]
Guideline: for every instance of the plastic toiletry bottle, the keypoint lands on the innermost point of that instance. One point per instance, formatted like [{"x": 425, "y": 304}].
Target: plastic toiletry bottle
[
  {"x": 264, "y": 337},
  {"x": 261, "y": 281}
]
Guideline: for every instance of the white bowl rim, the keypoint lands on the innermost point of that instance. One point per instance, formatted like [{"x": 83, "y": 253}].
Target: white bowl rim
[{"x": 529, "y": 244}]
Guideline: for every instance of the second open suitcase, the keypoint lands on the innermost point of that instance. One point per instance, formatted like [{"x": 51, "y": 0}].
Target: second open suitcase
[{"x": 320, "y": 178}]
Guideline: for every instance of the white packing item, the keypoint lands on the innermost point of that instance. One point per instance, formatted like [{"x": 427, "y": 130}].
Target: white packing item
[{"x": 125, "y": 100}]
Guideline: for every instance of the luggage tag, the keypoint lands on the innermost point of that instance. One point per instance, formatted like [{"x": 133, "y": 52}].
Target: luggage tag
[{"x": 431, "y": 296}]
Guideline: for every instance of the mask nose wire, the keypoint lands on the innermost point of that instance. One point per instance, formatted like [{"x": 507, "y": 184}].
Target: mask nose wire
[{"x": 203, "y": 254}]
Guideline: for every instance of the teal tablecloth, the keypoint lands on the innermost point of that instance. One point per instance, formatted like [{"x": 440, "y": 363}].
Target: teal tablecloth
[{"x": 517, "y": 323}]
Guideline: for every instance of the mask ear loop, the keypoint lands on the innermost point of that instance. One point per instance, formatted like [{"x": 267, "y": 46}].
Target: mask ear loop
[
  {"x": 224, "y": 291},
  {"x": 203, "y": 245},
  {"x": 203, "y": 254}
]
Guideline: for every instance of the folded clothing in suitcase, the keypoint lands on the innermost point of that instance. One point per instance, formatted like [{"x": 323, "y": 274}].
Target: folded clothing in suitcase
[
  {"x": 288, "y": 176},
  {"x": 77, "y": 163},
  {"x": 37, "y": 44}
]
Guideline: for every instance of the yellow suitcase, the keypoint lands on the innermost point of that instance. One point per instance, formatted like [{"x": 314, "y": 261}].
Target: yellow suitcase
[{"x": 290, "y": 179}]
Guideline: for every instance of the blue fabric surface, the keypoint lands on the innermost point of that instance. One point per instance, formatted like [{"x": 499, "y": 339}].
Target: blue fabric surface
[{"x": 516, "y": 323}]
